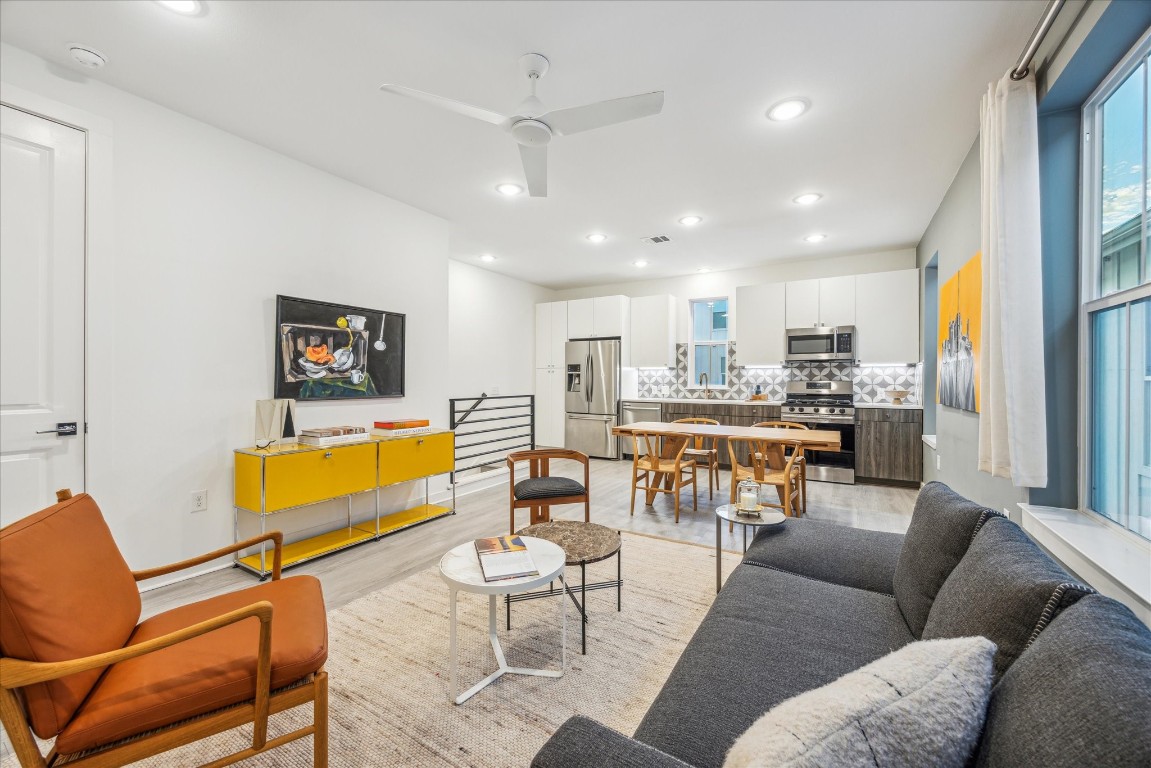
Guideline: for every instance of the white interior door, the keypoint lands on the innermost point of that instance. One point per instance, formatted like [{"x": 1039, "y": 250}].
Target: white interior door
[{"x": 42, "y": 166}]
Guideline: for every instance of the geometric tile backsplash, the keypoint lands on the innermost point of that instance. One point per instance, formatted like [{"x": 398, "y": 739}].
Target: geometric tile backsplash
[{"x": 869, "y": 382}]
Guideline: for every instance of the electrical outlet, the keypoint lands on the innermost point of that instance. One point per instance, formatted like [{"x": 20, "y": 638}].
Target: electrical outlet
[
  {"x": 938, "y": 462},
  {"x": 199, "y": 501}
]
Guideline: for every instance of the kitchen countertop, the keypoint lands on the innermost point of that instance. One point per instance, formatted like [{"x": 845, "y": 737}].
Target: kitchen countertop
[{"x": 905, "y": 406}]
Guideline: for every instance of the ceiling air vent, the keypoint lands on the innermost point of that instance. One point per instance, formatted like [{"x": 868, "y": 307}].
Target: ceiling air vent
[{"x": 655, "y": 239}]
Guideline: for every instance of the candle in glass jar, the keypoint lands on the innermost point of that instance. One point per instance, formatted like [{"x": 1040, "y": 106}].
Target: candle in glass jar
[{"x": 748, "y": 499}]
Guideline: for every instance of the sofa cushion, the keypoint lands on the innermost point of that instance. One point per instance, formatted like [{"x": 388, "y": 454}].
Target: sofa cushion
[
  {"x": 770, "y": 635},
  {"x": 206, "y": 672},
  {"x": 833, "y": 553},
  {"x": 547, "y": 488},
  {"x": 582, "y": 742},
  {"x": 1080, "y": 695},
  {"x": 921, "y": 705},
  {"x": 942, "y": 527},
  {"x": 62, "y": 570},
  {"x": 1004, "y": 589}
]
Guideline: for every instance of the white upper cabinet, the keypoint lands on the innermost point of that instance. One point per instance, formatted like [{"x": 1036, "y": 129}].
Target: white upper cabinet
[
  {"x": 610, "y": 315},
  {"x": 828, "y": 301},
  {"x": 580, "y": 324},
  {"x": 802, "y": 304},
  {"x": 837, "y": 300},
  {"x": 759, "y": 323},
  {"x": 653, "y": 332},
  {"x": 887, "y": 317},
  {"x": 551, "y": 333}
]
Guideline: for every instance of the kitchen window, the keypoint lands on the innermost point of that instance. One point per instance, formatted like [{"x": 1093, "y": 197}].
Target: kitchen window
[
  {"x": 707, "y": 352},
  {"x": 1115, "y": 312}
]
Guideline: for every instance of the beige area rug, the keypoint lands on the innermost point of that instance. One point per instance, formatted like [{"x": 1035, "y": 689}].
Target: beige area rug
[{"x": 388, "y": 666}]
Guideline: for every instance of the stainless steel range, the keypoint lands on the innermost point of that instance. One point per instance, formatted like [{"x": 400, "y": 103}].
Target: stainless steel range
[{"x": 827, "y": 405}]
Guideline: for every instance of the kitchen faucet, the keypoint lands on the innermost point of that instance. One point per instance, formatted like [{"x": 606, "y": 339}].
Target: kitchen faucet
[{"x": 706, "y": 384}]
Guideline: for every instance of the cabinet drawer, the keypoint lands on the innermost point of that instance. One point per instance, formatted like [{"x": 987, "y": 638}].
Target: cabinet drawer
[
  {"x": 293, "y": 479},
  {"x": 889, "y": 414},
  {"x": 416, "y": 456}
]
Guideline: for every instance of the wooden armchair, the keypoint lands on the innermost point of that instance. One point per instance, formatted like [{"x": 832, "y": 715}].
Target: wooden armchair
[
  {"x": 540, "y": 491},
  {"x": 704, "y": 450},
  {"x": 78, "y": 665},
  {"x": 761, "y": 455},
  {"x": 658, "y": 466}
]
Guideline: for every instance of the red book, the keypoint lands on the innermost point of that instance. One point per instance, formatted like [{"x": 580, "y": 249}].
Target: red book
[{"x": 402, "y": 424}]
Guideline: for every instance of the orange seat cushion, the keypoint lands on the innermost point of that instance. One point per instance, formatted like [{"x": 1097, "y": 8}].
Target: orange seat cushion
[
  {"x": 206, "y": 672},
  {"x": 65, "y": 593}
]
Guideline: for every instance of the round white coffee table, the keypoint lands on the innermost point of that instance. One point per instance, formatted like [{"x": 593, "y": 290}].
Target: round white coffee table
[
  {"x": 460, "y": 569},
  {"x": 729, "y": 512}
]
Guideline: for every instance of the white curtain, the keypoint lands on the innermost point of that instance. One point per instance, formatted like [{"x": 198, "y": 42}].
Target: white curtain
[{"x": 1012, "y": 409}]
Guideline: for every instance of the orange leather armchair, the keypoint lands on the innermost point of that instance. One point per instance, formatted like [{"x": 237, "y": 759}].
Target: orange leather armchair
[{"x": 79, "y": 666}]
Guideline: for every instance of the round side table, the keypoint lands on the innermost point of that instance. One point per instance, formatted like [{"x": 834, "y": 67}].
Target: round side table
[
  {"x": 460, "y": 570},
  {"x": 729, "y": 513}
]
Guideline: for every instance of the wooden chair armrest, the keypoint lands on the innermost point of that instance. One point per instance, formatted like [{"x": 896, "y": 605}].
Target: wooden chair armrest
[{"x": 277, "y": 557}]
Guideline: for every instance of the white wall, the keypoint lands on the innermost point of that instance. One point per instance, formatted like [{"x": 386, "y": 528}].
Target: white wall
[
  {"x": 491, "y": 321},
  {"x": 202, "y": 231},
  {"x": 715, "y": 284}
]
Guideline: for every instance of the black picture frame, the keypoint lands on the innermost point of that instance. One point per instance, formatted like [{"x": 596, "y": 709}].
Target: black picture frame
[{"x": 328, "y": 351}]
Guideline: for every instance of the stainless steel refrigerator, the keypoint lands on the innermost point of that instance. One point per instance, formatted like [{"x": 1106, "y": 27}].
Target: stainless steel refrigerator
[{"x": 591, "y": 396}]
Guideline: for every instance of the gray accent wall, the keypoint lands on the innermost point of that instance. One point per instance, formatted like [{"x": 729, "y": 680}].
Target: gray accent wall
[{"x": 954, "y": 235}]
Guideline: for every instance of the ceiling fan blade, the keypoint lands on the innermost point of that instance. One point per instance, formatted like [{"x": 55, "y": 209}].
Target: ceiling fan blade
[
  {"x": 459, "y": 107},
  {"x": 535, "y": 161},
  {"x": 602, "y": 113}
]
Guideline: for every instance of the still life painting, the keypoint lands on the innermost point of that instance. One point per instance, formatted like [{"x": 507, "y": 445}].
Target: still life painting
[
  {"x": 328, "y": 351},
  {"x": 960, "y": 318}
]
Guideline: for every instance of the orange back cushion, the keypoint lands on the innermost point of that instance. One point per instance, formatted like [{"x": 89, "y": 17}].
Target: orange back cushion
[{"x": 65, "y": 592}]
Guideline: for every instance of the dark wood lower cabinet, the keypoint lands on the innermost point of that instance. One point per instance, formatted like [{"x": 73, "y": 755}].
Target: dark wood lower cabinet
[
  {"x": 727, "y": 414},
  {"x": 889, "y": 445}
]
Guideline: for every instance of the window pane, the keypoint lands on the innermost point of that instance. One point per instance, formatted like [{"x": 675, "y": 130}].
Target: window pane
[
  {"x": 1139, "y": 501},
  {"x": 1121, "y": 220},
  {"x": 700, "y": 321},
  {"x": 1108, "y": 406},
  {"x": 712, "y": 360},
  {"x": 719, "y": 320},
  {"x": 719, "y": 363}
]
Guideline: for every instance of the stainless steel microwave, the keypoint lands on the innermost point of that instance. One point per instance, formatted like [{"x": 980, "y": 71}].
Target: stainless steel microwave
[{"x": 821, "y": 343}]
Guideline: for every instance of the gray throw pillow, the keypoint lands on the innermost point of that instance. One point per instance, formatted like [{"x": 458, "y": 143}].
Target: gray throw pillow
[
  {"x": 1004, "y": 589},
  {"x": 942, "y": 526},
  {"x": 921, "y": 705}
]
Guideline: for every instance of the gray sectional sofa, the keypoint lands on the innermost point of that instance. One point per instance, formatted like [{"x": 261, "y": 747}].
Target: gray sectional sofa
[{"x": 812, "y": 601}]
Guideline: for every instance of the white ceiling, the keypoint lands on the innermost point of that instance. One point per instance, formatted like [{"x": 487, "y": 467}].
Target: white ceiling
[{"x": 895, "y": 89}]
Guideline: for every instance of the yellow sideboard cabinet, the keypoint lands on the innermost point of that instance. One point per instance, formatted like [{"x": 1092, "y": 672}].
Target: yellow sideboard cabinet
[{"x": 283, "y": 477}]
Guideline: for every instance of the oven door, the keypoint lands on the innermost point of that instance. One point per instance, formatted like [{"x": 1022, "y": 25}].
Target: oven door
[
  {"x": 832, "y": 466},
  {"x": 811, "y": 344}
]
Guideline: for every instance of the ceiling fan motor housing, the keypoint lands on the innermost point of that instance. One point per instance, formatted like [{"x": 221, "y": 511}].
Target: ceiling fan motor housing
[{"x": 531, "y": 133}]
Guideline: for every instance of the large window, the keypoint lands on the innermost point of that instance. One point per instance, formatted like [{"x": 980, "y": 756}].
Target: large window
[
  {"x": 1115, "y": 319},
  {"x": 708, "y": 349}
]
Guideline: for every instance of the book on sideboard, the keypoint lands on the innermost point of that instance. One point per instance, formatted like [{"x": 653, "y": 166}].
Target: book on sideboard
[
  {"x": 402, "y": 431},
  {"x": 504, "y": 557},
  {"x": 401, "y": 423}
]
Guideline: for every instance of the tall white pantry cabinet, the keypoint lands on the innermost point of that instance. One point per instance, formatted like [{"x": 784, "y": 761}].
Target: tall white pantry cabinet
[{"x": 551, "y": 335}]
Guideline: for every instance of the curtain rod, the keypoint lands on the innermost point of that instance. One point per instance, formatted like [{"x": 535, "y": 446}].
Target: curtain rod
[{"x": 1036, "y": 40}]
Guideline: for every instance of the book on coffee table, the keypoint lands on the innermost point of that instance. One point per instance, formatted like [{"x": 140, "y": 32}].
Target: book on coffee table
[{"x": 504, "y": 557}]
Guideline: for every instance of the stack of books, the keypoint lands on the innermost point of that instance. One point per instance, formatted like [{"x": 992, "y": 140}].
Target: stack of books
[
  {"x": 333, "y": 436},
  {"x": 505, "y": 557},
  {"x": 398, "y": 427}
]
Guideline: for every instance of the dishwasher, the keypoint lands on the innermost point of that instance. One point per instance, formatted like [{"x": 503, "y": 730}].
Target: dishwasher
[{"x": 632, "y": 411}]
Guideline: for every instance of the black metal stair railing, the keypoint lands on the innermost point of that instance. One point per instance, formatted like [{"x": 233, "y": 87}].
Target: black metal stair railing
[{"x": 489, "y": 427}]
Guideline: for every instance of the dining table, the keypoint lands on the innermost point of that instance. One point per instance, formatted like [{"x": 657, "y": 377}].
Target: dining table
[{"x": 807, "y": 439}]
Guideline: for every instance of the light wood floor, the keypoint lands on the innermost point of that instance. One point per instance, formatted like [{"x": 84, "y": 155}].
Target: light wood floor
[{"x": 364, "y": 569}]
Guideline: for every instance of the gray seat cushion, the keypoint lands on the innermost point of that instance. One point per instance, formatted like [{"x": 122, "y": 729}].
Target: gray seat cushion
[
  {"x": 828, "y": 552},
  {"x": 583, "y": 743},
  {"x": 1004, "y": 589},
  {"x": 1080, "y": 695},
  {"x": 547, "y": 488},
  {"x": 770, "y": 635},
  {"x": 942, "y": 527}
]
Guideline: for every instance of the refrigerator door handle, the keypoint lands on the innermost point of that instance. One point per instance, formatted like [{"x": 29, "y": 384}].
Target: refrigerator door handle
[{"x": 590, "y": 378}]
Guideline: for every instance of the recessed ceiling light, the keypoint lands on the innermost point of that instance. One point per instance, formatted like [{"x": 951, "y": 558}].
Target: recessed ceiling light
[
  {"x": 815, "y": 238},
  {"x": 597, "y": 237},
  {"x": 788, "y": 109},
  {"x": 807, "y": 198},
  {"x": 182, "y": 7},
  {"x": 487, "y": 257},
  {"x": 640, "y": 263},
  {"x": 88, "y": 57},
  {"x": 509, "y": 189},
  {"x": 690, "y": 221}
]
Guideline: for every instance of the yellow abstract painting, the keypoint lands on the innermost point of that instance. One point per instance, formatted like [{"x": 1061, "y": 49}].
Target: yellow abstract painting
[{"x": 960, "y": 312}]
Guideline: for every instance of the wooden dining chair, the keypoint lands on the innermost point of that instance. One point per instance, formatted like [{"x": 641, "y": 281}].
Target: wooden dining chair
[
  {"x": 802, "y": 466},
  {"x": 658, "y": 462},
  {"x": 705, "y": 450},
  {"x": 760, "y": 457},
  {"x": 541, "y": 490}
]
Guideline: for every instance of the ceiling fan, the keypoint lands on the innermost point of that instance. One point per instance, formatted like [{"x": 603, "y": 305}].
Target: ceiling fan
[{"x": 532, "y": 125}]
